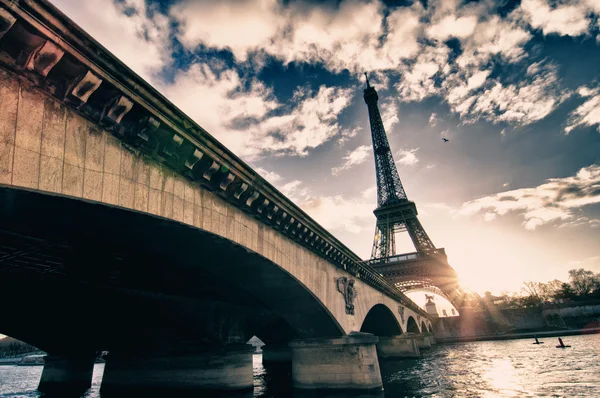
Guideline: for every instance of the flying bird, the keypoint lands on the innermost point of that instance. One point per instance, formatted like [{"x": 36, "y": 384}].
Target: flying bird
[{"x": 445, "y": 139}]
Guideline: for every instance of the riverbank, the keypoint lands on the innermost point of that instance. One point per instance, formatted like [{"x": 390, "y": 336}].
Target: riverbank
[
  {"x": 514, "y": 336},
  {"x": 17, "y": 358}
]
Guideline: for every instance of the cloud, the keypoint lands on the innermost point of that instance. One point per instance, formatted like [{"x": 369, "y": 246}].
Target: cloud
[
  {"x": 347, "y": 134},
  {"x": 563, "y": 19},
  {"x": 224, "y": 100},
  {"x": 341, "y": 37},
  {"x": 370, "y": 194},
  {"x": 407, "y": 157},
  {"x": 489, "y": 216},
  {"x": 270, "y": 176},
  {"x": 521, "y": 103},
  {"x": 352, "y": 158},
  {"x": 553, "y": 201},
  {"x": 237, "y": 25},
  {"x": 588, "y": 113},
  {"x": 452, "y": 26},
  {"x": 134, "y": 32},
  {"x": 407, "y": 43},
  {"x": 389, "y": 115},
  {"x": 244, "y": 115},
  {"x": 465, "y": 82},
  {"x": 335, "y": 213},
  {"x": 417, "y": 78},
  {"x": 433, "y": 120},
  {"x": 294, "y": 190},
  {"x": 338, "y": 213}
]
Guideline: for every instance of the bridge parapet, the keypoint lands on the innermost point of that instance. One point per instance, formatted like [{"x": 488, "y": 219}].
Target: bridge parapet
[{"x": 48, "y": 51}]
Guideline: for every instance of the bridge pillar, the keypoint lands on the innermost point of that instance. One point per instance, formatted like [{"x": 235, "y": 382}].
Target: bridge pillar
[
  {"x": 225, "y": 368},
  {"x": 348, "y": 362},
  {"x": 68, "y": 374},
  {"x": 398, "y": 347},
  {"x": 276, "y": 353},
  {"x": 423, "y": 341},
  {"x": 432, "y": 339},
  {"x": 439, "y": 327}
]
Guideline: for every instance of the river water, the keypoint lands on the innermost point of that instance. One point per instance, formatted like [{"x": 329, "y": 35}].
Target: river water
[{"x": 514, "y": 368}]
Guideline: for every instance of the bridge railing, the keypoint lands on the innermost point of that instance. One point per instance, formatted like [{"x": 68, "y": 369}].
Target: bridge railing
[
  {"x": 407, "y": 256},
  {"x": 146, "y": 121}
]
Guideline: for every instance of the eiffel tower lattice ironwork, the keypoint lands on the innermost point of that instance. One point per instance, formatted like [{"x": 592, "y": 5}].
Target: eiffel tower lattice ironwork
[
  {"x": 428, "y": 267},
  {"x": 395, "y": 213}
]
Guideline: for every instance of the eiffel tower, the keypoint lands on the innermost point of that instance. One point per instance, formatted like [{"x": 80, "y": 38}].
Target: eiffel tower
[{"x": 425, "y": 269}]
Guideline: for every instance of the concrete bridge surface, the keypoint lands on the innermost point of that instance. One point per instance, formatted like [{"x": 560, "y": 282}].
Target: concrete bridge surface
[{"x": 126, "y": 227}]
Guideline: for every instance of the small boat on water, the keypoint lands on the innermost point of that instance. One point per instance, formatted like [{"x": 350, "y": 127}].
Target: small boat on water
[
  {"x": 31, "y": 360},
  {"x": 562, "y": 345}
]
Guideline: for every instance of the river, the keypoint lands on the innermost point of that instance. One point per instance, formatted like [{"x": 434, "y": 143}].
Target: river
[{"x": 513, "y": 368}]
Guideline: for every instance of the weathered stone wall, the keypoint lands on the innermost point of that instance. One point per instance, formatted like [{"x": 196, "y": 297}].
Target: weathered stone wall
[
  {"x": 574, "y": 311},
  {"x": 525, "y": 318},
  {"x": 47, "y": 146},
  {"x": 345, "y": 363}
]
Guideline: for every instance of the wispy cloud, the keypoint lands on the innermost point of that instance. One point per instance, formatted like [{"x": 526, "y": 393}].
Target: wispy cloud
[
  {"x": 433, "y": 120},
  {"x": 240, "y": 26},
  {"x": 339, "y": 213},
  {"x": 238, "y": 111},
  {"x": 553, "y": 201},
  {"x": 270, "y": 176},
  {"x": 521, "y": 103},
  {"x": 407, "y": 157},
  {"x": 347, "y": 134},
  {"x": 406, "y": 45},
  {"x": 352, "y": 158},
  {"x": 389, "y": 116},
  {"x": 295, "y": 190},
  {"x": 568, "y": 19},
  {"x": 135, "y": 31},
  {"x": 588, "y": 113}
]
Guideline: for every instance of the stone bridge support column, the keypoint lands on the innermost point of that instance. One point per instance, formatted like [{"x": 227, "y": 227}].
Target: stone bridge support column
[
  {"x": 439, "y": 328},
  {"x": 276, "y": 354},
  {"x": 348, "y": 362},
  {"x": 68, "y": 374},
  {"x": 432, "y": 339},
  {"x": 397, "y": 347},
  {"x": 423, "y": 341},
  {"x": 225, "y": 368}
]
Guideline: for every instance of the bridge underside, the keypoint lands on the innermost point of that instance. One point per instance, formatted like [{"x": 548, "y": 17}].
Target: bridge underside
[
  {"x": 172, "y": 304},
  {"x": 103, "y": 278}
]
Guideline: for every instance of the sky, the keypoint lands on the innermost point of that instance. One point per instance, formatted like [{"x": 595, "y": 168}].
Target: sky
[{"x": 513, "y": 196}]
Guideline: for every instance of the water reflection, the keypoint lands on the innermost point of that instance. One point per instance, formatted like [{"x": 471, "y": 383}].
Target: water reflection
[{"x": 484, "y": 369}]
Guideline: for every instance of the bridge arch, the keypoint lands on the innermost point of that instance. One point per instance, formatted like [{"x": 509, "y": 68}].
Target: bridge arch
[
  {"x": 412, "y": 326},
  {"x": 229, "y": 239},
  {"x": 263, "y": 298},
  {"x": 423, "y": 327},
  {"x": 380, "y": 321}
]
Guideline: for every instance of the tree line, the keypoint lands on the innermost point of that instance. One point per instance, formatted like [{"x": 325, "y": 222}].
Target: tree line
[
  {"x": 583, "y": 285},
  {"x": 10, "y": 347}
]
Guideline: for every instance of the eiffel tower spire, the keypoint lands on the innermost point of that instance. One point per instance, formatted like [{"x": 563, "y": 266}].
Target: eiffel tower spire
[{"x": 395, "y": 213}]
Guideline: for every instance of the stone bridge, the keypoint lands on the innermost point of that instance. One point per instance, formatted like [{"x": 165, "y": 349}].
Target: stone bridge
[{"x": 126, "y": 227}]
